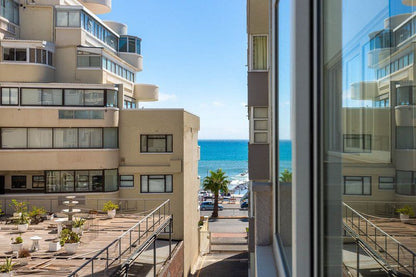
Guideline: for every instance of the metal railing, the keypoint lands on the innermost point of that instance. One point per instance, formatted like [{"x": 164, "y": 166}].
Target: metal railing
[
  {"x": 395, "y": 254},
  {"x": 130, "y": 239}
]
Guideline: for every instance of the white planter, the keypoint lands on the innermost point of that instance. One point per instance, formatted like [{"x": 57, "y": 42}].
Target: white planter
[
  {"x": 404, "y": 217},
  {"x": 71, "y": 248},
  {"x": 8, "y": 274},
  {"x": 16, "y": 246},
  {"x": 22, "y": 227},
  {"x": 49, "y": 217},
  {"x": 17, "y": 215},
  {"x": 111, "y": 214},
  {"x": 54, "y": 246}
]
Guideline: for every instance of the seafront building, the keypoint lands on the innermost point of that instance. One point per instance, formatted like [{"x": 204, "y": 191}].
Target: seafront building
[
  {"x": 70, "y": 123},
  {"x": 349, "y": 75}
]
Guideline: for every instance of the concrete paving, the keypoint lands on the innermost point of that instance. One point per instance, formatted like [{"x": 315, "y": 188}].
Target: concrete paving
[{"x": 223, "y": 264}]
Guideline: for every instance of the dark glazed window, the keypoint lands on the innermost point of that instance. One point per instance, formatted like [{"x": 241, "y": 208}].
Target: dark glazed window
[
  {"x": 127, "y": 181},
  {"x": 156, "y": 143},
  {"x": 38, "y": 182},
  {"x": 156, "y": 183},
  {"x": 18, "y": 182}
]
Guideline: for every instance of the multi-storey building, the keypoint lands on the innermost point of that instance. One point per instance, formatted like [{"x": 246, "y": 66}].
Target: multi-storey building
[
  {"x": 69, "y": 116},
  {"x": 348, "y": 69}
]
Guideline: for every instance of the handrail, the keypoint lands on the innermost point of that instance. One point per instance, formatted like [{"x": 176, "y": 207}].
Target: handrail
[
  {"x": 397, "y": 246},
  {"x": 372, "y": 224},
  {"x": 128, "y": 232}
]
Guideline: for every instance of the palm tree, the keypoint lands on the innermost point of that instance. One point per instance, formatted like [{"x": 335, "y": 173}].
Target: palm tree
[
  {"x": 216, "y": 182},
  {"x": 285, "y": 176}
]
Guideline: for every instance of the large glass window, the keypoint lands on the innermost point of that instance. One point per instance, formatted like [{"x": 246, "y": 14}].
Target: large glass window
[
  {"x": 405, "y": 137},
  {"x": 95, "y": 28},
  {"x": 111, "y": 98},
  {"x": 111, "y": 180},
  {"x": 110, "y": 137},
  {"x": 9, "y": 96},
  {"x": 156, "y": 143},
  {"x": 156, "y": 184},
  {"x": 38, "y": 182},
  {"x": 90, "y": 138},
  {"x": 75, "y": 181},
  {"x": 9, "y": 9},
  {"x": 74, "y": 97},
  {"x": 94, "y": 98},
  {"x": 15, "y": 54},
  {"x": 86, "y": 59},
  {"x": 65, "y": 137},
  {"x": 13, "y": 138},
  {"x": 68, "y": 19},
  {"x": 406, "y": 183},
  {"x": 39, "y": 138}
]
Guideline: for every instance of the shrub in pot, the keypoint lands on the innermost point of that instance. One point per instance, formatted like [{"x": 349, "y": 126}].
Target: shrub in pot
[
  {"x": 19, "y": 207},
  {"x": 110, "y": 208},
  {"x": 78, "y": 225},
  {"x": 70, "y": 240},
  {"x": 36, "y": 214},
  {"x": 6, "y": 268},
  {"x": 405, "y": 213},
  {"x": 23, "y": 256},
  {"x": 22, "y": 223},
  {"x": 17, "y": 244}
]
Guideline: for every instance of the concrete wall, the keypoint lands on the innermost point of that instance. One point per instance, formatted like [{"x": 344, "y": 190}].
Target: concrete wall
[{"x": 37, "y": 23}]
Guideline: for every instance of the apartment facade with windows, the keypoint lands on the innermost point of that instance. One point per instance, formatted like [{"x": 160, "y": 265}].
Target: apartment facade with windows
[
  {"x": 70, "y": 122},
  {"x": 340, "y": 87}
]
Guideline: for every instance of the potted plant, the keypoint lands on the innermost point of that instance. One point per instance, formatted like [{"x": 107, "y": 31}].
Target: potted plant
[
  {"x": 23, "y": 256},
  {"x": 54, "y": 245},
  {"x": 110, "y": 208},
  {"x": 70, "y": 240},
  {"x": 22, "y": 223},
  {"x": 6, "y": 268},
  {"x": 17, "y": 244},
  {"x": 405, "y": 213},
  {"x": 49, "y": 216},
  {"x": 36, "y": 214},
  {"x": 77, "y": 225},
  {"x": 19, "y": 208}
]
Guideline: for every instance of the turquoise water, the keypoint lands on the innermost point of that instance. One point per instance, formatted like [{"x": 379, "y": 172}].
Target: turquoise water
[{"x": 232, "y": 157}]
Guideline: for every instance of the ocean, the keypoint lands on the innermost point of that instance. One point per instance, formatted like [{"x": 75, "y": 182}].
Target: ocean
[{"x": 232, "y": 157}]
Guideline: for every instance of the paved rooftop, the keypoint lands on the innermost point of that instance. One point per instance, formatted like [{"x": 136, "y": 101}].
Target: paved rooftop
[{"x": 98, "y": 233}]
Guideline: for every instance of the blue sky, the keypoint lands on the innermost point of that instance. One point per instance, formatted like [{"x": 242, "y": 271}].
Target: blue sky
[{"x": 195, "y": 51}]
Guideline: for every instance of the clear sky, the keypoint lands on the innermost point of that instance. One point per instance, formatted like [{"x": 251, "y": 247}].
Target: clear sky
[{"x": 195, "y": 51}]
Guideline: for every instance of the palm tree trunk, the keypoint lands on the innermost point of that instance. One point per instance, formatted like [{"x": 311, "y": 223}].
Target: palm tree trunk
[{"x": 215, "y": 211}]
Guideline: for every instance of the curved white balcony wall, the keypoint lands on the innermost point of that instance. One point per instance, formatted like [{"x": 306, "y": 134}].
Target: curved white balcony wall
[
  {"x": 133, "y": 59},
  {"x": 146, "y": 92},
  {"x": 98, "y": 6},
  {"x": 364, "y": 90},
  {"x": 377, "y": 55},
  {"x": 118, "y": 27},
  {"x": 394, "y": 21},
  {"x": 405, "y": 115}
]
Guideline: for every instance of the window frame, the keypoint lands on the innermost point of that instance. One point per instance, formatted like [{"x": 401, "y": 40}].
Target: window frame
[
  {"x": 36, "y": 181},
  {"x": 121, "y": 181},
  {"x": 362, "y": 186},
  {"x": 148, "y": 177},
  {"x": 1, "y": 96},
  {"x": 361, "y": 137},
  {"x": 251, "y": 53},
  {"x": 380, "y": 182},
  {"x": 147, "y": 143},
  {"x": 20, "y": 188}
]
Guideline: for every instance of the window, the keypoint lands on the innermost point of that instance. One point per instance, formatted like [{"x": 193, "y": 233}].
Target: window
[
  {"x": 386, "y": 183},
  {"x": 117, "y": 69},
  {"x": 18, "y": 182},
  {"x": 90, "y": 138},
  {"x": 75, "y": 181},
  {"x": 65, "y": 138},
  {"x": 86, "y": 59},
  {"x": 9, "y": 96},
  {"x": 111, "y": 180},
  {"x": 156, "y": 184},
  {"x": 127, "y": 181},
  {"x": 13, "y": 138},
  {"x": 68, "y": 19},
  {"x": 15, "y": 54},
  {"x": 41, "y": 97},
  {"x": 39, "y": 138},
  {"x": 259, "y": 54},
  {"x": 82, "y": 181},
  {"x": 10, "y": 10},
  {"x": 94, "y": 98},
  {"x": 111, "y": 98},
  {"x": 405, "y": 138},
  {"x": 357, "y": 185},
  {"x": 96, "y": 29},
  {"x": 406, "y": 184},
  {"x": 259, "y": 125},
  {"x": 110, "y": 137},
  {"x": 40, "y": 56},
  {"x": 156, "y": 143},
  {"x": 357, "y": 143},
  {"x": 38, "y": 182},
  {"x": 74, "y": 97}
]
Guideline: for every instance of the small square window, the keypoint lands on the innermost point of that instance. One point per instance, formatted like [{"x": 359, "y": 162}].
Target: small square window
[
  {"x": 18, "y": 182},
  {"x": 126, "y": 181}
]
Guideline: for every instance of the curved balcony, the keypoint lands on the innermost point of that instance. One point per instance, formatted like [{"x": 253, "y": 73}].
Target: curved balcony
[
  {"x": 129, "y": 48},
  {"x": 146, "y": 92},
  {"x": 98, "y": 6},
  {"x": 118, "y": 27},
  {"x": 405, "y": 115}
]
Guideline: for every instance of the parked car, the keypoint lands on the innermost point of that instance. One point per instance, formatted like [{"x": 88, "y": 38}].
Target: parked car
[
  {"x": 209, "y": 206},
  {"x": 244, "y": 204}
]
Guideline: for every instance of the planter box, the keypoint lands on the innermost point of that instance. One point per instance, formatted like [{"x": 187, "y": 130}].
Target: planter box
[
  {"x": 71, "y": 248},
  {"x": 17, "y": 215},
  {"x": 404, "y": 218},
  {"x": 16, "y": 246},
  {"x": 22, "y": 227},
  {"x": 54, "y": 246},
  {"x": 111, "y": 214},
  {"x": 8, "y": 274},
  {"x": 23, "y": 261}
]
